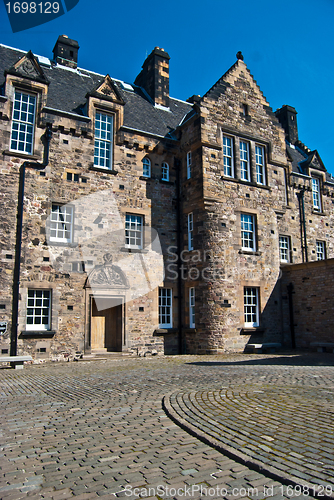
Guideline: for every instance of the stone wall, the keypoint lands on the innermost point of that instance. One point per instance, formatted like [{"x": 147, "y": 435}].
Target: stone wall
[{"x": 312, "y": 302}]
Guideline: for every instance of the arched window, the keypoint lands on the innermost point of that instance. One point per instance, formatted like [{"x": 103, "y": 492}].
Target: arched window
[
  {"x": 165, "y": 172},
  {"x": 146, "y": 167}
]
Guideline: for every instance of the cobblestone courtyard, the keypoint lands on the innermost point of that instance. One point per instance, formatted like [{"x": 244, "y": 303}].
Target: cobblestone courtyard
[{"x": 92, "y": 429}]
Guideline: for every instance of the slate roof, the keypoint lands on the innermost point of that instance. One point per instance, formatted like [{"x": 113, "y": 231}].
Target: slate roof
[
  {"x": 68, "y": 89},
  {"x": 300, "y": 157}
]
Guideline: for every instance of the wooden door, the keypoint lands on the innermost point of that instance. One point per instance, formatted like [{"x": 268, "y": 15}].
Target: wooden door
[{"x": 106, "y": 327}]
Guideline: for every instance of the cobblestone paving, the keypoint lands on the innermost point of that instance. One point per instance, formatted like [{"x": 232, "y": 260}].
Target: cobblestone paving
[{"x": 92, "y": 429}]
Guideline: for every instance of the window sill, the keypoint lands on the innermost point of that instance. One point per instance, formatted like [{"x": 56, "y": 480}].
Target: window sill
[
  {"x": 104, "y": 170},
  {"x": 247, "y": 183},
  {"x": 318, "y": 212},
  {"x": 163, "y": 181},
  {"x": 133, "y": 250},
  {"x": 62, "y": 244},
  {"x": 164, "y": 331},
  {"x": 189, "y": 330},
  {"x": 250, "y": 331},
  {"x": 24, "y": 156},
  {"x": 249, "y": 252},
  {"x": 145, "y": 177},
  {"x": 37, "y": 333}
]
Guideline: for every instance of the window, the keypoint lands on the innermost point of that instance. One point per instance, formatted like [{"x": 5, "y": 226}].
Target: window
[
  {"x": 23, "y": 120},
  {"x": 228, "y": 156},
  {"x": 284, "y": 248},
  {"x": 165, "y": 308},
  {"x": 259, "y": 163},
  {"x": 61, "y": 223},
  {"x": 251, "y": 306},
  {"x": 190, "y": 231},
  {"x": 38, "y": 310},
  {"x": 248, "y": 240},
  {"x": 321, "y": 250},
  {"x": 244, "y": 161},
  {"x": 316, "y": 193},
  {"x": 192, "y": 307},
  {"x": 146, "y": 167},
  {"x": 103, "y": 140},
  {"x": 165, "y": 172},
  {"x": 189, "y": 163},
  {"x": 133, "y": 231}
]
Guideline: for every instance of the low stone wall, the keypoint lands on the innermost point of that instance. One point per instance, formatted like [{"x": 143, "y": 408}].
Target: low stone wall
[{"x": 312, "y": 303}]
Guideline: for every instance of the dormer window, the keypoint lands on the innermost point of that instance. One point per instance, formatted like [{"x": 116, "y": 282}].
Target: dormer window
[
  {"x": 316, "y": 194},
  {"x": 23, "y": 122},
  {"x": 104, "y": 131}
]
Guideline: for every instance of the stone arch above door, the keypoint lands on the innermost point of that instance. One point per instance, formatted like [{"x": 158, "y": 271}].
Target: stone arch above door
[{"x": 107, "y": 276}]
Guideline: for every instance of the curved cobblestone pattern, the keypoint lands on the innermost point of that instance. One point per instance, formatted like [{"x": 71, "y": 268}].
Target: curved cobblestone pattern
[
  {"x": 90, "y": 429},
  {"x": 286, "y": 431}
]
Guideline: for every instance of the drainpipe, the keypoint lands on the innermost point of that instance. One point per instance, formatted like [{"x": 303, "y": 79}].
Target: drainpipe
[
  {"x": 290, "y": 288},
  {"x": 177, "y": 164},
  {"x": 303, "y": 237},
  {"x": 18, "y": 241}
]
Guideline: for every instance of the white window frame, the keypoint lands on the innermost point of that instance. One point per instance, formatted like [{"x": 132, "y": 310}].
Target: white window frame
[
  {"x": 189, "y": 164},
  {"x": 228, "y": 156},
  {"x": 248, "y": 232},
  {"x": 61, "y": 223},
  {"x": 23, "y": 122},
  {"x": 165, "y": 308},
  {"x": 146, "y": 167},
  {"x": 134, "y": 225},
  {"x": 316, "y": 194},
  {"x": 191, "y": 231},
  {"x": 251, "y": 307},
  {"x": 260, "y": 164},
  {"x": 244, "y": 161},
  {"x": 192, "y": 307},
  {"x": 321, "y": 250},
  {"x": 165, "y": 171},
  {"x": 104, "y": 140},
  {"x": 38, "y": 310},
  {"x": 284, "y": 249}
]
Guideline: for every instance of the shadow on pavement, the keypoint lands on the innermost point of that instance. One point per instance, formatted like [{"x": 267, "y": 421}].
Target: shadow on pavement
[{"x": 292, "y": 359}]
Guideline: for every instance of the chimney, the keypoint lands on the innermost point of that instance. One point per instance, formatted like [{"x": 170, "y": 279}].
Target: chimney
[
  {"x": 65, "y": 52},
  {"x": 154, "y": 76},
  {"x": 287, "y": 116}
]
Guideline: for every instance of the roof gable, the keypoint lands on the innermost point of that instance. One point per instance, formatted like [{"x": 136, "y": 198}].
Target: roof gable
[
  {"x": 107, "y": 90},
  {"x": 28, "y": 67},
  {"x": 232, "y": 78}
]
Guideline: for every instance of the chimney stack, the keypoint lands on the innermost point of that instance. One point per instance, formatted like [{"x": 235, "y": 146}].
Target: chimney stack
[
  {"x": 154, "y": 76},
  {"x": 287, "y": 116},
  {"x": 65, "y": 52}
]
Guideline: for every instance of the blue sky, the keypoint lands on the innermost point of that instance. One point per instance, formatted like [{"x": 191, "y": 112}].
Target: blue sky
[{"x": 287, "y": 46}]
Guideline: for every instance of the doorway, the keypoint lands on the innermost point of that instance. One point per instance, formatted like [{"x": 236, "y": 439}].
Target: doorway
[{"x": 106, "y": 326}]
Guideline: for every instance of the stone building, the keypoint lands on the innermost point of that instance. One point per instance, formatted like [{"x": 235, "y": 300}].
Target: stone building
[{"x": 133, "y": 221}]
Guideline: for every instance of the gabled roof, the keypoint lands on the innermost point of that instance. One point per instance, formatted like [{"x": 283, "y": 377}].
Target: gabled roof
[
  {"x": 228, "y": 78},
  {"x": 28, "y": 67},
  {"x": 69, "y": 87},
  {"x": 302, "y": 158}
]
